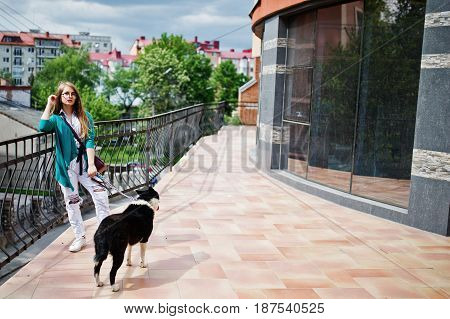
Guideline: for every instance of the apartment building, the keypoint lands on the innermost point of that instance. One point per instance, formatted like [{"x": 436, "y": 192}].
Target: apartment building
[
  {"x": 110, "y": 61},
  {"x": 139, "y": 44},
  {"x": 243, "y": 61},
  {"x": 94, "y": 43},
  {"x": 22, "y": 54}
]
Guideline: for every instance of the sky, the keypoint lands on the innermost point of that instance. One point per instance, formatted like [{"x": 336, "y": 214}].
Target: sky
[{"x": 126, "y": 20}]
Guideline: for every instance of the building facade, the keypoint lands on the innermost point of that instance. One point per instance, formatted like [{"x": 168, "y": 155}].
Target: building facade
[
  {"x": 111, "y": 61},
  {"x": 354, "y": 104},
  {"x": 243, "y": 61},
  {"x": 22, "y": 54},
  {"x": 94, "y": 43},
  {"x": 139, "y": 44}
]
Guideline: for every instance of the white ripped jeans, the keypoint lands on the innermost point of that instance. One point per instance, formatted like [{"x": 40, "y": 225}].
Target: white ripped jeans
[{"x": 73, "y": 200}]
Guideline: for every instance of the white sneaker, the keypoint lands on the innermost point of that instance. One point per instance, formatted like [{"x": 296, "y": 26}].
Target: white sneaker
[{"x": 77, "y": 244}]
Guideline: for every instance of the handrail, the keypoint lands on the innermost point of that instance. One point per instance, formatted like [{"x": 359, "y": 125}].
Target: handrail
[{"x": 136, "y": 151}]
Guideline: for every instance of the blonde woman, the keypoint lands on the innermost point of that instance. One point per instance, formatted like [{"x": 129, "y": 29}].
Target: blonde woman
[{"x": 74, "y": 162}]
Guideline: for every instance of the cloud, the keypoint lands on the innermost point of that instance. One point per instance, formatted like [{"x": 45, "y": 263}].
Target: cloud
[{"x": 125, "y": 21}]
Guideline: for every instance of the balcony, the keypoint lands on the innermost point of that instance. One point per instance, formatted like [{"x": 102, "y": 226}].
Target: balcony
[{"x": 227, "y": 230}]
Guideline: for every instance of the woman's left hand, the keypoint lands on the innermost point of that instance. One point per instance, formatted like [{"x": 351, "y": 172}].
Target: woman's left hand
[{"x": 92, "y": 170}]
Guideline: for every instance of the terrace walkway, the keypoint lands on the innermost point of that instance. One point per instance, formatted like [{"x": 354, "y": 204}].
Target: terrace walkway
[{"x": 226, "y": 230}]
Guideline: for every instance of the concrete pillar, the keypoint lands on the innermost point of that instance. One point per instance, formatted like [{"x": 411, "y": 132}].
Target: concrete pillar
[
  {"x": 429, "y": 202},
  {"x": 273, "y": 71}
]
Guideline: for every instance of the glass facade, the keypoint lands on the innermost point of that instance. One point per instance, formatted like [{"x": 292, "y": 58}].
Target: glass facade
[{"x": 351, "y": 95}]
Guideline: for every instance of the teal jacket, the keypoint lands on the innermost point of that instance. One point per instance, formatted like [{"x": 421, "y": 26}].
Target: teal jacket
[{"x": 66, "y": 149}]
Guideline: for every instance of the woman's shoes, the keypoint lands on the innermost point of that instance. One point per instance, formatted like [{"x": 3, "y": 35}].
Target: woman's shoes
[{"x": 77, "y": 244}]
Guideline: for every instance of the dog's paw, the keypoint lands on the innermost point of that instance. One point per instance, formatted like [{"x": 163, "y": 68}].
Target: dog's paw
[
  {"x": 128, "y": 262},
  {"x": 142, "y": 265},
  {"x": 100, "y": 284},
  {"x": 115, "y": 287}
]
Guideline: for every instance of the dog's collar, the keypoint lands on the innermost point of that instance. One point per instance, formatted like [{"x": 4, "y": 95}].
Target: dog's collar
[{"x": 141, "y": 202}]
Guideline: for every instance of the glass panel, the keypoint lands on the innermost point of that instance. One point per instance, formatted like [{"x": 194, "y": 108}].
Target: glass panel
[
  {"x": 298, "y": 95},
  {"x": 297, "y": 147},
  {"x": 335, "y": 89},
  {"x": 388, "y": 99},
  {"x": 301, "y": 39}
]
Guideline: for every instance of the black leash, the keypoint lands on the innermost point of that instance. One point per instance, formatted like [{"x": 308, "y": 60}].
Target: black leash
[{"x": 106, "y": 184}]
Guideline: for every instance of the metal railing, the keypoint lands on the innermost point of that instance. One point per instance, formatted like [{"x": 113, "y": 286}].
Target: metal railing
[{"x": 136, "y": 151}]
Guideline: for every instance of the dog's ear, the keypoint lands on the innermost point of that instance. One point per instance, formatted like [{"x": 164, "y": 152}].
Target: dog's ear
[{"x": 140, "y": 191}]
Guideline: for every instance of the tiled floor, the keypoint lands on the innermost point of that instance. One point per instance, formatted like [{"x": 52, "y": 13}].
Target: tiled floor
[{"x": 225, "y": 230}]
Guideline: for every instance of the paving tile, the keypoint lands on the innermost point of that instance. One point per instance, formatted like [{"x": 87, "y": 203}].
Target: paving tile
[
  {"x": 388, "y": 288},
  {"x": 62, "y": 293},
  {"x": 291, "y": 294},
  {"x": 206, "y": 288},
  {"x": 21, "y": 288},
  {"x": 343, "y": 293},
  {"x": 149, "y": 288},
  {"x": 308, "y": 282},
  {"x": 253, "y": 278},
  {"x": 226, "y": 230}
]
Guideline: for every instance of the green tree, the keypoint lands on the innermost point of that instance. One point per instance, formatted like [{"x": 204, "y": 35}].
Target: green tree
[
  {"x": 160, "y": 78},
  {"x": 198, "y": 67},
  {"x": 98, "y": 105},
  {"x": 73, "y": 65},
  {"x": 6, "y": 76},
  {"x": 172, "y": 74},
  {"x": 226, "y": 82},
  {"x": 121, "y": 86}
]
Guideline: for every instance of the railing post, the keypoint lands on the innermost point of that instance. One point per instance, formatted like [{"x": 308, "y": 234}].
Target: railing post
[
  {"x": 147, "y": 155},
  {"x": 171, "y": 143}
]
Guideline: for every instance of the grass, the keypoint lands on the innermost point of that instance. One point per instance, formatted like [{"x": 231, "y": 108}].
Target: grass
[
  {"x": 32, "y": 192},
  {"x": 232, "y": 120}
]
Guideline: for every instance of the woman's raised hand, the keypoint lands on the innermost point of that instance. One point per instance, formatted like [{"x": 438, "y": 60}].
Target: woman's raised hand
[{"x": 51, "y": 100}]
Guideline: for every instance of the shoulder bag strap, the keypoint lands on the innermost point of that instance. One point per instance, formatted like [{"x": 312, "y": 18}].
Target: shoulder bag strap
[{"x": 81, "y": 148}]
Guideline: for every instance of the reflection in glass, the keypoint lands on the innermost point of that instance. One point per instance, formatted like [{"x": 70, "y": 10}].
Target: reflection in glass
[
  {"x": 334, "y": 95},
  {"x": 388, "y": 99},
  {"x": 297, "y": 148},
  {"x": 299, "y": 62},
  {"x": 301, "y": 39},
  {"x": 298, "y": 95},
  {"x": 329, "y": 87}
]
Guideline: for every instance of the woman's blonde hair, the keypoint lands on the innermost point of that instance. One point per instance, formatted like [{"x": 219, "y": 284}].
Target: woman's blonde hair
[{"x": 77, "y": 107}]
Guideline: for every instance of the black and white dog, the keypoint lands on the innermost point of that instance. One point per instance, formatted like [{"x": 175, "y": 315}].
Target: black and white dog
[{"x": 118, "y": 231}]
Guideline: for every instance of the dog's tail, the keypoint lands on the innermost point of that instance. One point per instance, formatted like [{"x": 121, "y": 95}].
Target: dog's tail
[{"x": 101, "y": 249}]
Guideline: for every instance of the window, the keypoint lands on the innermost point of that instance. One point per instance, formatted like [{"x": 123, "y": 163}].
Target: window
[
  {"x": 387, "y": 100},
  {"x": 17, "y": 51},
  {"x": 5, "y": 59},
  {"x": 349, "y": 122},
  {"x": 11, "y": 39},
  {"x": 17, "y": 81},
  {"x": 31, "y": 50},
  {"x": 333, "y": 112},
  {"x": 7, "y": 50}
]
